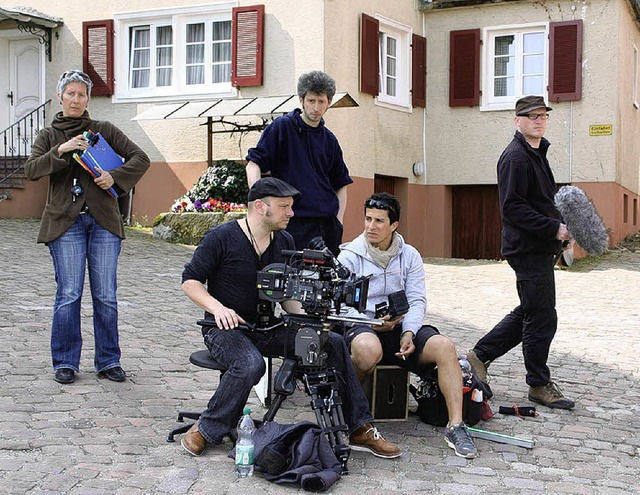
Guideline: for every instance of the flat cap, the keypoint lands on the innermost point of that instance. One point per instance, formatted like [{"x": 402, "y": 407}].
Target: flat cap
[
  {"x": 527, "y": 104},
  {"x": 270, "y": 186}
]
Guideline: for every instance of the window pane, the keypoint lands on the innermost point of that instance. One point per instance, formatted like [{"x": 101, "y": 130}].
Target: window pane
[
  {"x": 532, "y": 85},
  {"x": 504, "y": 45},
  {"x": 533, "y": 64},
  {"x": 222, "y": 52},
  {"x": 195, "y": 54},
  {"x": 504, "y": 66},
  {"x": 141, "y": 37},
  {"x": 195, "y": 33},
  {"x": 163, "y": 77},
  {"x": 503, "y": 86},
  {"x": 391, "y": 46},
  {"x": 140, "y": 78},
  {"x": 391, "y": 66},
  {"x": 391, "y": 86},
  {"x": 533, "y": 42},
  {"x": 221, "y": 73},
  {"x": 222, "y": 31},
  {"x": 195, "y": 74},
  {"x": 141, "y": 58},
  {"x": 164, "y": 57},
  {"x": 164, "y": 35}
]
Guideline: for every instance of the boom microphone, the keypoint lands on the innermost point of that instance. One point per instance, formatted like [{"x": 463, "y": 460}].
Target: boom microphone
[{"x": 582, "y": 219}]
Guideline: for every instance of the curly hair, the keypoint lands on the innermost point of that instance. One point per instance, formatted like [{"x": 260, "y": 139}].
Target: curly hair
[{"x": 316, "y": 82}]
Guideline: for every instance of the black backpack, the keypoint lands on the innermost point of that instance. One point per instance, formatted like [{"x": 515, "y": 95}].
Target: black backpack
[{"x": 432, "y": 407}]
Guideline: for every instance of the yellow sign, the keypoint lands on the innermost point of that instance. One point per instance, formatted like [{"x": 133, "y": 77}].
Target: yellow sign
[{"x": 601, "y": 130}]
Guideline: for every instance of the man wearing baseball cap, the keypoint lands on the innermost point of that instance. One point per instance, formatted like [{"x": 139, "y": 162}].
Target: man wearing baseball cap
[
  {"x": 221, "y": 279},
  {"x": 532, "y": 236}
]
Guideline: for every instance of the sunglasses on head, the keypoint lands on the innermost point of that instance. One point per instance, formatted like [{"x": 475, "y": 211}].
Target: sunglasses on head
[
  {"x": 70, "y": 73},
  {"x": 380, "y": 205}
]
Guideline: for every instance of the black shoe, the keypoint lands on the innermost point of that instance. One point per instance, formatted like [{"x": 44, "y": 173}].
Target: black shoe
[
  {"x": 65, "y": 375},
  {"x": 116, "y": 374}
]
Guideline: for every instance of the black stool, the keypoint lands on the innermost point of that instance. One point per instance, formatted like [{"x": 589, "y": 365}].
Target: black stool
[{"x": 203, "y": 359}]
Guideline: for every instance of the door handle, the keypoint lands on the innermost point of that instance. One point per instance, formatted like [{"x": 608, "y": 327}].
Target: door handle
[{"x": 10, "y": 96}]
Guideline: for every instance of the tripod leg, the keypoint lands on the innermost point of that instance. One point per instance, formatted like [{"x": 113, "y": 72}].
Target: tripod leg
[
  {"x": 327, "y": 406},
  {"x": 284, "y": 385}
]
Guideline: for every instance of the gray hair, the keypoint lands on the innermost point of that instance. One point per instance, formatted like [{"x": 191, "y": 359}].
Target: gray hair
[
  {"x": 74, "y": 76},
  {"x": 316, "y": 82}
]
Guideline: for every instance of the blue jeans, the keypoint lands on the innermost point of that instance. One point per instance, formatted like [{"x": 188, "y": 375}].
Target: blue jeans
[
  {"x": 242, "y": 351},
  {"x": 85, "y": 244}
]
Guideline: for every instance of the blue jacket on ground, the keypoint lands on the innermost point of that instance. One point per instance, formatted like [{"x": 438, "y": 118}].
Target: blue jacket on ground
[
  {"x": 295, "y": 454},
  {"x": 308, "y": 158}
]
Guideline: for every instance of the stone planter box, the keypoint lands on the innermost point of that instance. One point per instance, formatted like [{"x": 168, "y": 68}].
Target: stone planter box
[{"x": 188, "y": 228}]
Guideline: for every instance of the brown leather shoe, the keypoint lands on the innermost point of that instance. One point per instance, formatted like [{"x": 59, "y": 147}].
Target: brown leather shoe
[
  {"x": 367, "y": 438},
  {"x": 193, "y": 442}
]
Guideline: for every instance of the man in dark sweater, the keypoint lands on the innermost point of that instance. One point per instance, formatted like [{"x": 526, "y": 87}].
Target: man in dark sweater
[
  {"x": 221, "y": 279},
  {"x": 300, "y": 150},
  {"x": 532, "y": 236}
]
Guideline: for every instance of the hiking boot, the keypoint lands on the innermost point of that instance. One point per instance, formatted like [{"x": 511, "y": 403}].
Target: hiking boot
[
  {"x": 551, "y": 396},
  {"x": 367, "y": 438},
  {"x": 480, "y": 370},
  {"x": 457, "y": 437}
]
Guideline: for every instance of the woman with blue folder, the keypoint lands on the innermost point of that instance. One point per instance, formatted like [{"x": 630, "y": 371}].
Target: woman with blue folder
[{"x": 82, "y": 226}]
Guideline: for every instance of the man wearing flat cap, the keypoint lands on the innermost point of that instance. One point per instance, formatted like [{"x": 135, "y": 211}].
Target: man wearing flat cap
[
  {"x": 532, "y": 237},
  {"x": 221, "y": 279}
]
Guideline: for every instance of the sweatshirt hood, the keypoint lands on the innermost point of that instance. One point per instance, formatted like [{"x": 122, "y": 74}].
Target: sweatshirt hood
[
  {"x": 301, "y": 126},
  {"x": 359, "y": 246}
]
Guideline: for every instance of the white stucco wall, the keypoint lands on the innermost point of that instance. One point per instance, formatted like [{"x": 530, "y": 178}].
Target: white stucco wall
[
  {"x": 375, "y": 139},
  {"x": 463, "y": 144}
]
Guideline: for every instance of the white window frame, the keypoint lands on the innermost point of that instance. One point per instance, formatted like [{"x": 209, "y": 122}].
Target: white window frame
[
  {"x": 635, "y": 88},
  {"x": 489, "y": 34},
  {"x": 402, "y": 34},
  {"x": 178, "y": 18}
]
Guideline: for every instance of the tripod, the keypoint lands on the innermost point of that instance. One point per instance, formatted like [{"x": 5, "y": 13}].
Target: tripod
[{"x": 320, "y": 383}]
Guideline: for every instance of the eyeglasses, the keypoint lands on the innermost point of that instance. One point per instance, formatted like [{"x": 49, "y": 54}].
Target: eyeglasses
[
  {"x": 536, "y": 116},
  {"x": 380, "y": 205}
]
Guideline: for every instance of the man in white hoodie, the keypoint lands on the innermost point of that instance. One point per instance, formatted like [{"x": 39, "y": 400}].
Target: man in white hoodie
[{"x": 404, "y": 341}]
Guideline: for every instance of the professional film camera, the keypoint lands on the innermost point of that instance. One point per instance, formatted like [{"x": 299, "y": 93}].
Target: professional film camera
[{"x": 316, "y": 279}]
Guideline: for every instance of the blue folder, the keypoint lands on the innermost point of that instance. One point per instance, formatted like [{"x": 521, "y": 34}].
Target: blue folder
[{"x": 99, "y": 155}]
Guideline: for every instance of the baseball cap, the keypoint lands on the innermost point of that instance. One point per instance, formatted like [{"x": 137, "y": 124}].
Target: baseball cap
[
  {"x": 270, "y": 186},
  {"x": 527, "y": 104}
]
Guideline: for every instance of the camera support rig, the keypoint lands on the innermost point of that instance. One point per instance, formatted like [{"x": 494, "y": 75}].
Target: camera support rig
[
  {"x": 316, "y": 279},
  {"x": 320, "y": 382}
]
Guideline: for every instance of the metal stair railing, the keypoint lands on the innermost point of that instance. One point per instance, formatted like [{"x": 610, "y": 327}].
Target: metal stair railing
[{"x": 17, "y": 140}]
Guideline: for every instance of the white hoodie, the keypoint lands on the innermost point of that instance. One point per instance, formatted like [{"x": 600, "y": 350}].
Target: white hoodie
[{"x": 405, "y": 272}]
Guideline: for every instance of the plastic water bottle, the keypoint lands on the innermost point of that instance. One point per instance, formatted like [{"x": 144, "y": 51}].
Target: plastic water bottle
[
  {"x": 466, "y": 369},
  {"x": 244, "y": 445}
]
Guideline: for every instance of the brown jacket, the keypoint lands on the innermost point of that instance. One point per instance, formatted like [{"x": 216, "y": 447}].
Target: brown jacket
[{"x": 60, "y": 211}]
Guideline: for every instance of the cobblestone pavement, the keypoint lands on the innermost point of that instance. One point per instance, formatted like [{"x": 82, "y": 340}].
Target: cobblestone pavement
[{"x": 97, "y": 437}]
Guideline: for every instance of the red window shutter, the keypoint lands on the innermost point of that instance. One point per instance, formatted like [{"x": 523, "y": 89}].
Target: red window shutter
[
  {"x": 97, "y": 55},
  {"x": 464, "y": 68},
  {"x": 418, "y": 71},
  {"x": 369, "y": 58},
  {"x": 247, "y": 46},
  {"x": 565, "y": 60}
]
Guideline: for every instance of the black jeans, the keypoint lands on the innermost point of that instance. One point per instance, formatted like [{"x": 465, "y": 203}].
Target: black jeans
[
  {"x": 304, "y": 229},
  {"x": 533, "y": 322}
]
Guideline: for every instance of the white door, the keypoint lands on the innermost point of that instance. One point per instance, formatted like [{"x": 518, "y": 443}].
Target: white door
[{"x": 25, "y": 89}]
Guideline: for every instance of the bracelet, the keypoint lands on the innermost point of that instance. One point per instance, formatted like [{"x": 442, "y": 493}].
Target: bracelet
[{"x": 408, "y": 331}]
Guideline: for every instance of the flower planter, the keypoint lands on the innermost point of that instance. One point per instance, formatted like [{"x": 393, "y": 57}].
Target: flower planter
[{"x": 189, "y": 227}]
